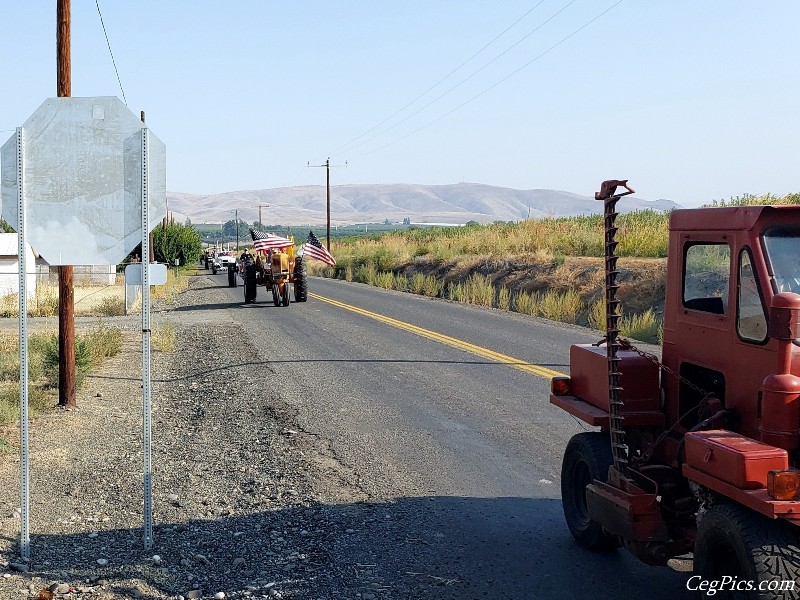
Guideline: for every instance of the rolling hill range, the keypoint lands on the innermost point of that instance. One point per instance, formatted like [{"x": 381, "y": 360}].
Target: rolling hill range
[{"x": 363, "y": 203}]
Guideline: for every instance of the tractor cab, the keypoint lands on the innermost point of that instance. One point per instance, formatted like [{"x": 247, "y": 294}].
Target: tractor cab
[
  {"x": 728, "y": 266},
  {"x": 698, "y": 451}
]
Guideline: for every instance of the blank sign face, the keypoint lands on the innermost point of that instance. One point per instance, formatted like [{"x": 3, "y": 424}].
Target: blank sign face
[
  {"x": 156, "y": 273},
  {"x": 82, "y": 178}
]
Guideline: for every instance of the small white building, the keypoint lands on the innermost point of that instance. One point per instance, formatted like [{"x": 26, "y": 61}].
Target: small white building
[{"x": 9, "y": 266}]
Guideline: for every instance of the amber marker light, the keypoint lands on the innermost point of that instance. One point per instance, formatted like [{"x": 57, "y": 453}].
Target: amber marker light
[
  {"x": 784, "y": 485},
  {"x": 560, "y": 386}
]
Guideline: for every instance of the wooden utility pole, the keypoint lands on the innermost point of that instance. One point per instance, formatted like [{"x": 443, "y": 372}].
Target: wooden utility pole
[
  {"x": 328, "y": 204},
  {"x": 66, "y": 295},
  {"x": 327, "y": 166},
  {"x": 260, "y": 223}
]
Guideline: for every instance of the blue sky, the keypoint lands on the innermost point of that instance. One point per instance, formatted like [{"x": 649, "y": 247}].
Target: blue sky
[{"x": 691, "y": 100}]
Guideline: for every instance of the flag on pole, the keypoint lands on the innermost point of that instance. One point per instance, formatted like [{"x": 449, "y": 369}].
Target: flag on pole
[
  {"x": 268, "y": 241},
  {"x": 314, "y": 248}
]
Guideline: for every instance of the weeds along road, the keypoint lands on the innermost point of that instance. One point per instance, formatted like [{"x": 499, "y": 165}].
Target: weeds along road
[{"x": 410, "y": 395}]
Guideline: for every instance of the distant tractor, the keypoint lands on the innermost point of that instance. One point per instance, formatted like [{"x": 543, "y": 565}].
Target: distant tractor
[
  {"x": 699, "y": 451},
  {"x": 280, "y": 271}
]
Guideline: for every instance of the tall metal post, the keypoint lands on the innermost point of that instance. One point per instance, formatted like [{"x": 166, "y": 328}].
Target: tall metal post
[
  {"x": 24, "y": 455},
  {"x": 66, "y": 294},
  {"x": 146, "y": 330},
  {"x": 237, "y": 231}
]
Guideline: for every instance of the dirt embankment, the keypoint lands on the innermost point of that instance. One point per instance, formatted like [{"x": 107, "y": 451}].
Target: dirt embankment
[{"x": 642, "y": 280}]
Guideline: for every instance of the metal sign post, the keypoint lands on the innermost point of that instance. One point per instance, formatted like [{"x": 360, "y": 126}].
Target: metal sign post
[
  {"x": 147, "y": 407},
  {"x": 24, "y": 454}
]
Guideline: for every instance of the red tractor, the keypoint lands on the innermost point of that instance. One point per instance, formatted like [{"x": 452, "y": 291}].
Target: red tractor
[{"x": 698, "y": 452}]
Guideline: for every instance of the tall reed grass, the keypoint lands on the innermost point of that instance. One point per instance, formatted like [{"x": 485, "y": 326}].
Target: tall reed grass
[{"x": 641, "y": 234}]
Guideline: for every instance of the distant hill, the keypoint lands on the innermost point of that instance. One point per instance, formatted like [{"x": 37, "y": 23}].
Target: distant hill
[{"x": 456, "y": 203}]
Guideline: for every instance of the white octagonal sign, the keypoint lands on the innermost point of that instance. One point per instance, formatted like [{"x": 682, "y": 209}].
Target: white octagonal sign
[{"x": 87, "y": 163}]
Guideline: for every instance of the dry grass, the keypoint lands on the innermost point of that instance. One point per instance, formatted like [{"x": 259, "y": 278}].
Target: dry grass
[
  {"x": 91, "y": 348},
  {"x": 163, "y": 337}
]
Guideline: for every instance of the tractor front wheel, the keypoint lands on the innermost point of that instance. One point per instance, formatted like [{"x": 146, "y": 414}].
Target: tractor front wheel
[
  {"x": 276, "y": 299},
  {"x": 587, "y": 457},
  {"x": 756, "y": 556},
  {"x": 285, "y": 294}
]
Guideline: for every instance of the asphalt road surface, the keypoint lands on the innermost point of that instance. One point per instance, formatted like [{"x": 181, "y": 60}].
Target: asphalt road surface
[{"x": 435, "y": 409}]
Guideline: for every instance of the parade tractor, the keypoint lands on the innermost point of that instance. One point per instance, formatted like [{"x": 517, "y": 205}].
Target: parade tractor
[
  {"x": 281, "y": 272},
  {"x": 698, "y": 451}
]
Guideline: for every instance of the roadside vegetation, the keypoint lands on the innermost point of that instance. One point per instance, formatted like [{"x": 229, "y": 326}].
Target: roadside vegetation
[
  {"x": 550, "y": 268},
  {"x": 91, "y": 348}
]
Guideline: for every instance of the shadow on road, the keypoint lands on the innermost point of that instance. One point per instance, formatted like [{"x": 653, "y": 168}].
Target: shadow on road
[
  {"x": 244, "y": 366},
  {"x": 421, "y": 547}
]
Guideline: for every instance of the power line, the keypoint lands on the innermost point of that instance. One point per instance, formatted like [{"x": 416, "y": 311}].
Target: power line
[
  {"x": 463, "y": 81},
  {"x": 443, "y": 79},
  {"x": 108, "y": 43},
  {"x": 494, "y": 85}
]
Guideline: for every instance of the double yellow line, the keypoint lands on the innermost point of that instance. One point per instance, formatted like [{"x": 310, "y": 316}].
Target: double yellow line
[{"x": 445, "y": 339}]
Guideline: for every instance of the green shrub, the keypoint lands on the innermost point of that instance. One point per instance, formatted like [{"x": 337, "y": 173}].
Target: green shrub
[
  {"x": 559, "y": 306},
  {"x": 597, "y": 315},
  {"x": 645, "y": 327},
  {"x": 523, "y": 303},
  {"x": 111, "y": 307},
  {"x": 384, "y": 280},
  {"x": 504, "y": 298},
  {"x": 366, "y": 273},
  {"x": 433, "y": 287}
]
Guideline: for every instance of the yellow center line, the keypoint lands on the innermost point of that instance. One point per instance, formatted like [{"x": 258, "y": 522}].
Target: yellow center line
[{"x": 445, "y": 339}]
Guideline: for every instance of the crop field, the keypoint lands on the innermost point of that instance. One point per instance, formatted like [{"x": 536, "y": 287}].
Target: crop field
[{"x": 538, "y": 267}]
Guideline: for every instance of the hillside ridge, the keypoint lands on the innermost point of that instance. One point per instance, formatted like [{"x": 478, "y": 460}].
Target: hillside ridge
[{"x": 375, "y": 203}]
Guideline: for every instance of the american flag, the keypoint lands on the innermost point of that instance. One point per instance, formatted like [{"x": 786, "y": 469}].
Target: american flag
[
  {"x": 269, "y": 241},
  {"x": 314, "y": 248}
]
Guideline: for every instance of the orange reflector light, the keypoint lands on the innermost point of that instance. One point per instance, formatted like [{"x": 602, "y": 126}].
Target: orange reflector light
[
  {"x": 560, "y": 386},
  {"x": 784, "y": 485}
]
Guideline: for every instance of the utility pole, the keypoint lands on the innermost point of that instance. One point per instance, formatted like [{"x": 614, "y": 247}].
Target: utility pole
[
  {"x": 328, "y": 166},
  {"x": 237, "y": 231},
  {"x": 66, "y": 292},
  {"x": 260, "y": 223}
]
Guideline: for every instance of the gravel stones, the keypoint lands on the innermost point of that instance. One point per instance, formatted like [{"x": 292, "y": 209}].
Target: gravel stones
[{"x": 241, "y": 491}]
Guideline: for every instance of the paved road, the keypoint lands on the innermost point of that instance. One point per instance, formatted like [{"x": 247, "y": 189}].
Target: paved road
[{"x": 463, "y": 450}]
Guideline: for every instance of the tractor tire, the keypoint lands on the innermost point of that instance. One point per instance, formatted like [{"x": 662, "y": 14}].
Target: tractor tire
[
  {"x": 300, "y": 280},
  {"x": 746, "y": 547},
  {"x": 587, "y": 457},
  {"x": 213, "y": 269},
  {"x": 231, "y": 276},
  {"x": 249, "y": 277},
  {"x": 285, "y": 294},
  {"x": 276, "y": 299}
]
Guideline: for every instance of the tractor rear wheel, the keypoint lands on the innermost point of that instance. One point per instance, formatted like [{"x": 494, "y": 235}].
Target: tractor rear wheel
[
  {"x": 748, "y": 550},
  {"x": 300, "y": 280},
  {"x": 276, "y": 299},
  {"x": 587, "y": 457}
]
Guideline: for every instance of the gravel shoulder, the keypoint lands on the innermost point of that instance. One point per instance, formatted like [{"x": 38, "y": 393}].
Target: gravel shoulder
[
  {"x": 245, "y": 503},
  {"x": 250, "y": 504}
]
